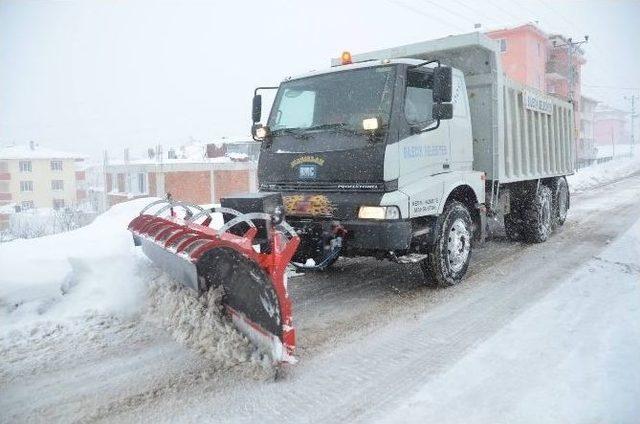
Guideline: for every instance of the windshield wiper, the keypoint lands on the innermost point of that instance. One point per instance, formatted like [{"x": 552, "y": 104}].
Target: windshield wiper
[
  {"x": 340, "y": 126},
  {"x": 295, "y": 132}
]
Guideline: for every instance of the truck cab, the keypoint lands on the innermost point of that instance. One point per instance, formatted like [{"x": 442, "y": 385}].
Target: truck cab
[{"x": 365, "y": 156}]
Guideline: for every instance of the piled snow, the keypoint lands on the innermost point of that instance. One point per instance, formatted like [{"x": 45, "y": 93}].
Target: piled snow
[
  {"x": 94, "y": 269},
  {"x": 199, "y": 323},
  {"x": 603, "y": 173},
  {"x": 69, "y": 284}
]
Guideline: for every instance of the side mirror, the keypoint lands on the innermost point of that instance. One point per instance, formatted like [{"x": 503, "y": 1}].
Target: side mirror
[
  {"x": 442, "y": 111},
  {"x": 441, "y": 84},
  {"x": 256, "y": 108}
]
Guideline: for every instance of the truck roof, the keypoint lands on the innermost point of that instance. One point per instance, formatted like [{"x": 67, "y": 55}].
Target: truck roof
[
  {"x": 357, "y": 65},
  {"x": 473, "y": 53}
]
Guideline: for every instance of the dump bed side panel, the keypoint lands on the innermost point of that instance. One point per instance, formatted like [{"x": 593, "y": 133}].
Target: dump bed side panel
[{"x": 537, "y": 139}]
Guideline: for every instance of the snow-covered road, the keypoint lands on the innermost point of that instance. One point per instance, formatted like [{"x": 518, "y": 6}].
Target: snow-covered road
[{"x": 536, "y": 333}]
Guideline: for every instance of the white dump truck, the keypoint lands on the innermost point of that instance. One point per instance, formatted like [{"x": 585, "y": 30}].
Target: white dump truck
[{"x": 403, "y": 153}]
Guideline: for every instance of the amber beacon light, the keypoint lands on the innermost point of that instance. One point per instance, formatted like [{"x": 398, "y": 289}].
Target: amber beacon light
[{"x": 346, "y": 58}]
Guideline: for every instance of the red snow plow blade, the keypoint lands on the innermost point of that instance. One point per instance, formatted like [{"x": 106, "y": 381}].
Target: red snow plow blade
[{"x": 255, "y": 286}]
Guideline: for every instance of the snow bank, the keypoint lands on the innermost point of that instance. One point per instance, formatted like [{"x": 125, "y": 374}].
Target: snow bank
[
  {"x": 69, "y": 285},
  {"x": 93, "y": 269},
  {"x": 595, "y": 175}
]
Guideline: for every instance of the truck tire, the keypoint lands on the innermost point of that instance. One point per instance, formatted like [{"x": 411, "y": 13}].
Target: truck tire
[
  {"x": 450, "y": 255},
  {"x": 513, "y": 225},
  {"x": 561, "y": 199},
  {"x": 538, "y": 215}
]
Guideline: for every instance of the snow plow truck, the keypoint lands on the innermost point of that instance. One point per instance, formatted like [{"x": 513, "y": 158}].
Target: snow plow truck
[{"x": 398, "y": 154}]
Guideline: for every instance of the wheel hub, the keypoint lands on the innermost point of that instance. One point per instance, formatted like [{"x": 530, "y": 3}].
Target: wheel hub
[{"x": 458, "y": 245}]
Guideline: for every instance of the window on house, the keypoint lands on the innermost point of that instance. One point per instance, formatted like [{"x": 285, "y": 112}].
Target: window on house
[
  {"x": 56, "y": 165},
  {"x": 57, "y": 185},
  {"x": 122, "y": 183},
  {"x": 26, "y": 185},
  {"x": 142, "y": 183},
  {"x": 4, "y": 166},
  {"x": 503, "y": 45},
  {"x": 25, "y": 166},
  {"x": 26, "y": 205},
  {"x": 58, "y": 203},
  {"x": 4, "y": 186}
]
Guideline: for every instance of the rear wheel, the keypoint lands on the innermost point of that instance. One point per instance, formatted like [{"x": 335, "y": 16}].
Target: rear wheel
[
  {"x": 538, "y": 216},
  {"x": 561, "y": 201},
  {"x": 450, "y": 255},
  {"x": 513, "y": 225}
]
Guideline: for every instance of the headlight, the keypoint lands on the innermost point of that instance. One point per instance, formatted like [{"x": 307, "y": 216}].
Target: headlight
[{"x": 379, "y": 212}]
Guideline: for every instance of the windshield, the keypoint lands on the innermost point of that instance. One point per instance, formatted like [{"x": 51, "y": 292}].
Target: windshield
[{"x": 335, "y": 100}]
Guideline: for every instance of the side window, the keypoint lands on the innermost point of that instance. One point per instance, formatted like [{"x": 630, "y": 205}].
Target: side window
[
  {"x": 296, "y": 109},
  {"x": 418, "y": 99}
]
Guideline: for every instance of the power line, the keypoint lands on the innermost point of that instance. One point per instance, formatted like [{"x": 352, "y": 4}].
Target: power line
[
  {"x": 477, "y": 13},
  {"x": 611, "y": 87},
  {"x": 426, "y": 15},
  {"x": 503, "y": 10},
  {"x": 451, "y": 12}
]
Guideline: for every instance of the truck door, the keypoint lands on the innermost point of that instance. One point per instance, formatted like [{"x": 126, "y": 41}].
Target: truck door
[
  {"x": 428, "y": 152},
  {"x": 461, "y": 141}
]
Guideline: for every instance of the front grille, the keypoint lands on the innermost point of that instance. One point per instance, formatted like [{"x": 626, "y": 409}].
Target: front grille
[{"x": 330, "y": 186}]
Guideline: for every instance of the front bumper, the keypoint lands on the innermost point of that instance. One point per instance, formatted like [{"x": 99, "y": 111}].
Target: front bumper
[
  {"x": 378, "y": 235},
  {"x": 365, "y": 235}
]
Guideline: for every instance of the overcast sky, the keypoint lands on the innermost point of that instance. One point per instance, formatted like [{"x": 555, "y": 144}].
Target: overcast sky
[{"x": 90, "y": 75}]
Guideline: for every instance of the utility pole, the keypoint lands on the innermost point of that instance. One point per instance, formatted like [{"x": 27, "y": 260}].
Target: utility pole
[
  {"x": 571, "y": 45},
  {"x": 632, "y": 99}
]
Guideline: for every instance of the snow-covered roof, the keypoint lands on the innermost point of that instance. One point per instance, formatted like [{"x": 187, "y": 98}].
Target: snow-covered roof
[
  {"x": 232, "y": 140},
  {"x": 25, "y": 151},
  {"x": 155, "y": 161}
]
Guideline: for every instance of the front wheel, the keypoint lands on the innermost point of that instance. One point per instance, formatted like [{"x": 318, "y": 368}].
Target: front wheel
[{"x": 450, "y": 255}]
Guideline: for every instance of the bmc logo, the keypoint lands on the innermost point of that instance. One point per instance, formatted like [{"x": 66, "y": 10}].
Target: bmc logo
[{"x": 307, "y": 172}]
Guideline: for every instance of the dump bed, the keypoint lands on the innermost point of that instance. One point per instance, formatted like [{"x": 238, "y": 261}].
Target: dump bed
[{"x": 519, "y": 133}]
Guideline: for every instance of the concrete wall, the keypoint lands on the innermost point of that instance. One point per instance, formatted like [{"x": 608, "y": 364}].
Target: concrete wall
[
  {"x": 197, "y": 182},
  {"x": 190, "y": 186},
  {"x": 230, "y": 182}
]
